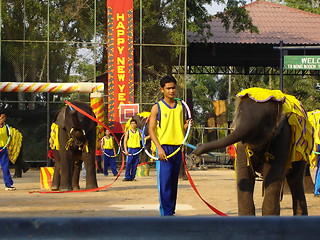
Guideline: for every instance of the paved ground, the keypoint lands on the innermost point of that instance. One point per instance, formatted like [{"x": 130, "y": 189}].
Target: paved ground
[{"x": 132, "y": 199}]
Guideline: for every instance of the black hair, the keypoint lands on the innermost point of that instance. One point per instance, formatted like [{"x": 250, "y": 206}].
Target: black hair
[
  {"x": 133, "y": 120},
  {"x": 167, "y": 79}
]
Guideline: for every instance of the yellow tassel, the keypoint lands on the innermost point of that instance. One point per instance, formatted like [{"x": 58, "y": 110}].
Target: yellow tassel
[
  {"x": 69, "y": 143},
  {"x": 268, "y": 156},
  {"x": 249, "y": 154}
]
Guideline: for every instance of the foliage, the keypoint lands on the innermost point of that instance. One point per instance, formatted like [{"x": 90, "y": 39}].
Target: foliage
[
  {"x": 304, "y": 5},
  {"x": 203, "y": 91},
  {"x": 69, "y": 21},
  {"x": 237, "y": 18}
]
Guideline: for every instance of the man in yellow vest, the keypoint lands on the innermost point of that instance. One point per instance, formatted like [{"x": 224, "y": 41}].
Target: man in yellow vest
[
  {"x": 109, "y": 152},
  {"x": 168, "y": 114},
  {"x": 4, "y": 157},
  {"x": 132, "y": 147}
]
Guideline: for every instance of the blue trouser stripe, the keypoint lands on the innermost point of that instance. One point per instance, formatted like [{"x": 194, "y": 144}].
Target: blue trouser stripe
[
  {"x": 317, "y": 175},
  {"x": 4, "y": 162},
  {"x": 109, "y": 161},
  {"x": 132, "y": 163},
  {"x": 168, "y": 175}
]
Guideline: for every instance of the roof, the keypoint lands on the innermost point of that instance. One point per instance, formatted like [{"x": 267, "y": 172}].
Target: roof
[{"x": 275, "y": 22}]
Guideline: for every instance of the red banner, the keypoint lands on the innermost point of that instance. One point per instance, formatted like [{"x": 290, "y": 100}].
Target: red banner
[{"x": 120, "y": 59}]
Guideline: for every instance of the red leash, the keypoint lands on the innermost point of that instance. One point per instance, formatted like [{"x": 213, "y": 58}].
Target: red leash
[{"x": 197, "y": 192}]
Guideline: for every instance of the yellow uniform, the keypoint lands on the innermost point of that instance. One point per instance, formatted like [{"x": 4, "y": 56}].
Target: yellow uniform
[
  {"x": 134, "y": 139},
  {"x": 171, "y": 121},
  {"x": 107, "y": 143},
  {"x": 3, "y": 136}
]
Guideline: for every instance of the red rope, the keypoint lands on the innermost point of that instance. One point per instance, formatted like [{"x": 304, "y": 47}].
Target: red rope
[
  {"x": 92, "y": 118},
  {"x": 197, "y": 192}
]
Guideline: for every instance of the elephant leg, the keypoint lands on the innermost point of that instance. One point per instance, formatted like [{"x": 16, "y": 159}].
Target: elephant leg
[
  {"x": 91, "y": 177},
  {"x": 56, "y": 175},
  {"x": 66, "y": 170},
  {"x": 273, "y": 179},
  {"x": 245, "y": 183},
  {"x": 76, "y": 174},
  {"x": 274, "y": 169},
  {"x": 295, "y": 182}
]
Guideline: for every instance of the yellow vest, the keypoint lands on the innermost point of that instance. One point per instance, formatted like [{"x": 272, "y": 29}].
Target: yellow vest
[
  {"x": 171, "y": 123},
  {"x": 3, "y": 136},
  {"x": 134, "y": 139},
  {"x": 107, "y": 143}
]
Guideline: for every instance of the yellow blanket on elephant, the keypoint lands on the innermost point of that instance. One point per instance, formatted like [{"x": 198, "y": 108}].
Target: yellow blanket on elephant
[
  {"x": 302, "y": 139},
  {"x": 262, "y": 95},
  {"x": 15, "y": 144},
  {"x": 54, "y": 137},
  {"x": 314, "y": 119}
]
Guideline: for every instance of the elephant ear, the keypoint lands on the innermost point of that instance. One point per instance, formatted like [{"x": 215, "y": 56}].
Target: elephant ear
[{"x": 60, "y": 118}]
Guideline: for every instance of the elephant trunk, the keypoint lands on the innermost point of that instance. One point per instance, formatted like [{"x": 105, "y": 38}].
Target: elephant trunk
[{"x": 239, "y": 134}]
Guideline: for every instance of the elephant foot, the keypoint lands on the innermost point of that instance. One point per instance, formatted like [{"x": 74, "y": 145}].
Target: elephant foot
[
  {"x": 65, "y": 189},
  {"x": 91, "y": 186},
  {"x": 54, "y": 188},
  {"x": 75, "y": 188}
]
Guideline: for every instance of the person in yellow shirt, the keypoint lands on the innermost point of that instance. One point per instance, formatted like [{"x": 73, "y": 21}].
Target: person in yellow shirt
[
  {"x": 4, "y": 157},
  {"x": 132, "y": 147},
  {"x": 168, "y": 116},
  {"x": 109, "y": 152}
]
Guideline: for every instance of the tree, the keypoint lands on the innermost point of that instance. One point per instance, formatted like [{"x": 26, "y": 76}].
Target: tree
[
  {"x": 35, "y": 44},
  {"x": 163, "y": 24},
  {"x": 304, "y": 5}
]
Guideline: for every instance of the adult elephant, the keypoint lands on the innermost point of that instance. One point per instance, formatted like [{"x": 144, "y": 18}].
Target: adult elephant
[
  {"x": 274, "y": 139},
  {"x": 73, "y": 138}
]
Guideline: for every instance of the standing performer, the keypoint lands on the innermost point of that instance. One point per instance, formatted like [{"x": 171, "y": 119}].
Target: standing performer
[
  {"x": 169, "y": 113},
  {"x": 132, "y": 145},
  {"x": 109, "y": 152},
  {"x": 4, "y": 157}
]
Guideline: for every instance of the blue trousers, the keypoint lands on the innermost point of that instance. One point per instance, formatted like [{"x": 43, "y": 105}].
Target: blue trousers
[
  {"x": 132, "y": 163},
  {"x": 4, "y": 162},
  {"x": 109, "y": 161},
  {"x": 167, "y": 177},
  {"x": 317, "y": 176}
]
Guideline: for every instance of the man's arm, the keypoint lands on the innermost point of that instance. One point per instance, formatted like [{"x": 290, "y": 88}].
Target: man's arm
[
  {"x": 152, "y": 132},
  {"x": 101, "y": 143},
  {"x": 125, "y": 140},
  {"x": 114, "y": 146}
]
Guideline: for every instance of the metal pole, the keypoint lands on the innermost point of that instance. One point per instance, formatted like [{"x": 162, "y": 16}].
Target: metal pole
[
  {"x": 140, "y": 54},
  {"x": 185, "y": 49},
  {"x": 94, "y": 40},
  {"x": 48, "y": 76},
  {"x": 0, "y": 41},
  {"x": 281, "y": 65}
]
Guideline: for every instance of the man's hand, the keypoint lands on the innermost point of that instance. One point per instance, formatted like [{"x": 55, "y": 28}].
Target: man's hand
[
  {"x": 191, "y": 121},
  {"x": 162, "y": 155},
  {"x": 185, "y": 126}
]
